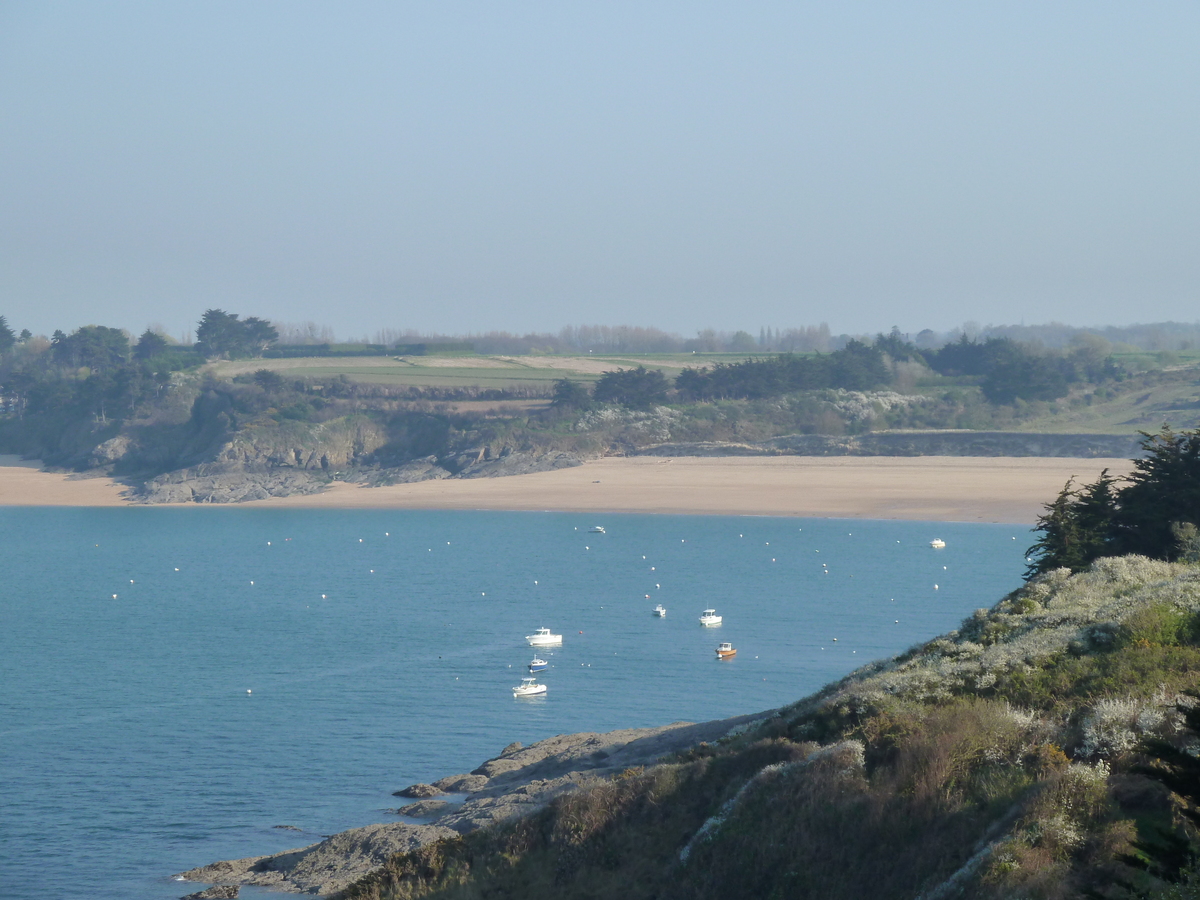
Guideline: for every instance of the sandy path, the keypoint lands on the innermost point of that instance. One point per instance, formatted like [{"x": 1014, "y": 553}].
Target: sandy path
[{"x": 950, "y": 489}]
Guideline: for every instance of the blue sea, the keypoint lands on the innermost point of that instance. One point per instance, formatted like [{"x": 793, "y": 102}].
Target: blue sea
[{"x": 175, "y": 684}]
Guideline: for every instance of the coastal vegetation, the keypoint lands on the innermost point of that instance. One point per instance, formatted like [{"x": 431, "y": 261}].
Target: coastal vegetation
[{"x": 1153, "y": 511}]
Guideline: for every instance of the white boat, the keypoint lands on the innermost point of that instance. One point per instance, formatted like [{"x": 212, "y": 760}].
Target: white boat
[
  {"x": 660, "y": 610},
  {"x": 529, "y": 687},
  {"x": 596, "y": 529},
  {"x": 937, "y": 543},
  {"x": 543, "y": 638},
  {"x": 537, "y": 664},
  {"x": 710, "y": 617}
]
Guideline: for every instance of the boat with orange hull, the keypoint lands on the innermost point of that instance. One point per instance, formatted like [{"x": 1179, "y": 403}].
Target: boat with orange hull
[{"x": 726, "y": 651}]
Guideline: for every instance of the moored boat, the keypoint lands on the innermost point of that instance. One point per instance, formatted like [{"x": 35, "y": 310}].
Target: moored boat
[
  {"x": 537, "y": 665},
  {"x": 597, "y": 529},
  {"x": 543, "y": 638},
  {"x": 710, "y": 617},
  {"x": 726, "y": 651},
  {"x": 660, "y": 610},
  {"x": 937, "y": 543},
  {"x": 529, "y": 687}
]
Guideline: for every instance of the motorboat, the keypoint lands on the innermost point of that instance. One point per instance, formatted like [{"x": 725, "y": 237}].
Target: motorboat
[
  {"x": 537, "y": 665},
  {"x": 543, "y": 638},
  {"x": 660, "y": 611},
  {"x": 529, "y": 687},
  {"x": 937, "y": 543},
  {"x": 710, "y": 617},
  {"x": 596, "y": 529},
  {"x": 725, "y": 651}
]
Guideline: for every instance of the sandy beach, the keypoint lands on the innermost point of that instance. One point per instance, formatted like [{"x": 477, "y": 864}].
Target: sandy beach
[{"x": 929, "y": 488}]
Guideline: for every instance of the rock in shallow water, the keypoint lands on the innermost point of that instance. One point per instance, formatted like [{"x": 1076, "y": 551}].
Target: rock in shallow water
[{"x": 418, "y": 791}]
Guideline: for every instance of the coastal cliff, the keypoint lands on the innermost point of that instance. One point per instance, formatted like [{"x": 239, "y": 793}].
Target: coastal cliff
[{"x": 1002, "y": 759}]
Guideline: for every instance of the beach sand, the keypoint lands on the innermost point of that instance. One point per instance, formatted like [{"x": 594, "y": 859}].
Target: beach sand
[{"x": 930, "y": 488}]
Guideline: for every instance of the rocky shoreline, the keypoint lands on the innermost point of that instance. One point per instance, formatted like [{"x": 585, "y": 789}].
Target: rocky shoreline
[
  {"x": 240, "y": 480},
  {"x": 520, "y": 781},
  {"x": 236, "y": 482}
]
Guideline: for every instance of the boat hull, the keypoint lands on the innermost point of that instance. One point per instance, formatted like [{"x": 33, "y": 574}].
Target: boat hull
[{"x": 726, "y": 654}]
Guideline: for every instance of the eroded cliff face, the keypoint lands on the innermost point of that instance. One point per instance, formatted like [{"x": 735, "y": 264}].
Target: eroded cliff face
[{"x": 323, "y": 446}]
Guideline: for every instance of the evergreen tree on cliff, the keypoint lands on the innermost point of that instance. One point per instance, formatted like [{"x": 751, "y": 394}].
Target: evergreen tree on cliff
[{"x": 1154, "y": 511}]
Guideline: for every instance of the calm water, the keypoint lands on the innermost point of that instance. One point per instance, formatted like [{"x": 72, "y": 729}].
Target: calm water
[{"x": 259, "y": 668}]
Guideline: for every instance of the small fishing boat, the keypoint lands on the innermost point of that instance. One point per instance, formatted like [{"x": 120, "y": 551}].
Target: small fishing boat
[
  {"x": 726, "y": 651},
  {"x": 937, "y": 543},
  {"x": 710, "y": 617},
  {"x": 596, "y": 529},
  {"x": 537, "y": 665},
  {"x": 529, "y": 687},
  {"x": 660, "y": 611},
  {"x": 543, "y": 638}
]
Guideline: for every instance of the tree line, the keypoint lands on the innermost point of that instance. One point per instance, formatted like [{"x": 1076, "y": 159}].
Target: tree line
[
  {"x": 1154, "y": 511},
  {"x": 1005, "y": 370}
]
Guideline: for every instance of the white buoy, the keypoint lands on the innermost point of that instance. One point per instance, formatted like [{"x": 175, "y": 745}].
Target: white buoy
[
  {"x": 114, "y": 596},
  {"x": 935, "y": 587},
  {"x": 248, "y": 691},
  {"x": 322, "y": 596},
  {"x": 268, "y": 543},
  {"x": 177, "y": 569},
  {"x": 252, "y": 582}
]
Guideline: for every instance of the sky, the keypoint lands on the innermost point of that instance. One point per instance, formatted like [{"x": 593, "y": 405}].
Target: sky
[{"x": 462, "y": 167}]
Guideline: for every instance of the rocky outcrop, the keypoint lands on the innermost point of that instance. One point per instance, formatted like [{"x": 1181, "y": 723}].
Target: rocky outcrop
[
  {"x": 325, "y": 867},
  {"x": 226, "y": 484},
  {"x": 419, "y": 791},
  {"x": 915, "y": 443},
  {"x": 519, "y": 781},
  {"x": 423, "y": 809}
]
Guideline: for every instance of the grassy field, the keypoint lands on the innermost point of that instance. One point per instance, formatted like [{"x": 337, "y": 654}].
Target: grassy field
[{"x": 460, "y": 370}]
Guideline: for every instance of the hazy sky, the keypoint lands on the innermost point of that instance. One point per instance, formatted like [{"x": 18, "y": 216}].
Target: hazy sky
[{"x": 521, "y": 166}]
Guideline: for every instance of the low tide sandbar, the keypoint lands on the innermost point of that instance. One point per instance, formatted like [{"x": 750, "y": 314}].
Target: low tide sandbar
[{"x": 926, "y": 488}]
